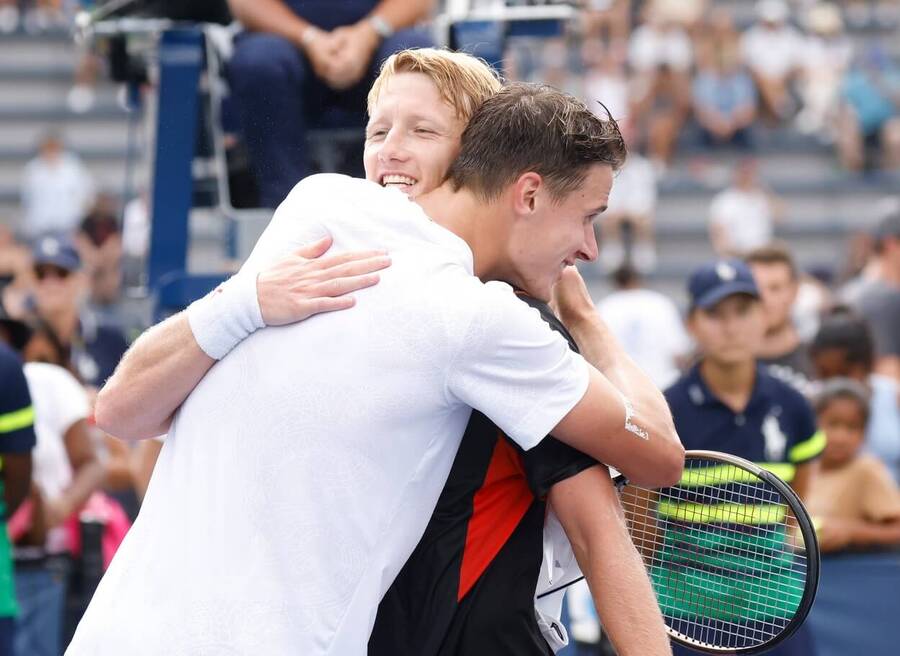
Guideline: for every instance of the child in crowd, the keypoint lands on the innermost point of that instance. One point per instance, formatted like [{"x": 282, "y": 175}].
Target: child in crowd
[{"x": 854, "y": 500}]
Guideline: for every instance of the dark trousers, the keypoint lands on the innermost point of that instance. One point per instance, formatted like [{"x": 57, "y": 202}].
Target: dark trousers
[{"x": 279, "y": 99}]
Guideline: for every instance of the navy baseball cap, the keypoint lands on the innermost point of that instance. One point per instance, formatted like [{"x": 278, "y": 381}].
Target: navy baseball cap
[
  {"x": 57, "y": 251},
  {"x": 712, "y": 282}
]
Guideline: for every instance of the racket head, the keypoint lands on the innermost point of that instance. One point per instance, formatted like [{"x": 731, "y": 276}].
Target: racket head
[{"x": 731, "y": 552}]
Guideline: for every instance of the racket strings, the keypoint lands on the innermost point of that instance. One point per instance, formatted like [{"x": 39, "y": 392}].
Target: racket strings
[{"x": 725, "y": 554}]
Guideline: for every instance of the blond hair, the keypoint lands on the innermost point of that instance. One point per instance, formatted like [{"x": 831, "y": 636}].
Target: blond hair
[{"x": 463, "y": 81}]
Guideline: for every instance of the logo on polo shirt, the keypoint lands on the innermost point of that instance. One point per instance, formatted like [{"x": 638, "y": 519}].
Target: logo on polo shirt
[
  {"x": 696, "y": 394},
  {"x": 776, "y": 440}
]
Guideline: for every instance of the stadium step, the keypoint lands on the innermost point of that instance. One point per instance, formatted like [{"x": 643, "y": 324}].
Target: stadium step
[
  {"x": 33, "y": 51},
  {"x": 77, "y": 131},
  {"x": 853, "y": 207},
  {"x": 42, "y": 93}
]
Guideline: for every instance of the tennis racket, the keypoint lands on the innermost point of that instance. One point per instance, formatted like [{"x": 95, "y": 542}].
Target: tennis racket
[{"x": 731, "y": 553}]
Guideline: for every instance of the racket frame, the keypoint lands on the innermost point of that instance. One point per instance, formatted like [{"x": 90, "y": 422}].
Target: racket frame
[{"x": 807, "y": 530}]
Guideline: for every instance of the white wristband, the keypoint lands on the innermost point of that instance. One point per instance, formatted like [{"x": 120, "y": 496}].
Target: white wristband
[{"x": 226, "y": 316}]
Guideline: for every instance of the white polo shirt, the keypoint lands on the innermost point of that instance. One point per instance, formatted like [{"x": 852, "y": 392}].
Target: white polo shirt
[{"x": 301, "y": 472}]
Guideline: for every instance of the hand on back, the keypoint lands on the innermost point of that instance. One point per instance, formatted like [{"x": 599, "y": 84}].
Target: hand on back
[{"x": 306, "y": 283}]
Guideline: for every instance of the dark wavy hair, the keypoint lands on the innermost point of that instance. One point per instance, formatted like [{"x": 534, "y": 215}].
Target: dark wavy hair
[{"x": 534, "y": 127}]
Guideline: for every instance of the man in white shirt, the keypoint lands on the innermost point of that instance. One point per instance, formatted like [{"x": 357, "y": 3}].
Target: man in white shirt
[
  {"x": 772, "y": 50},
  {"x": 742, "y": 217},
  {"x": 648, "y": 325},
  {"x": 57, "y": 190},
  {"x": 298, "y": 475}
]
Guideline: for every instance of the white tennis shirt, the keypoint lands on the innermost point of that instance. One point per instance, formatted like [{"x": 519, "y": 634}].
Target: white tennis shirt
[{"x": 301, "y": 472}]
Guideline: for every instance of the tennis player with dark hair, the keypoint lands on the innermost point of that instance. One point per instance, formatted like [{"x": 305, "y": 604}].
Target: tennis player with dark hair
[
  {"x": 729, "y": 402},
  {"x": 469, "y": 586},
  {"x": 356, "y": 438}
]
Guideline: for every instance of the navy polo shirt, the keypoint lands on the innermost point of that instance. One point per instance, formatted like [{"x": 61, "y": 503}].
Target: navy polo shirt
[{"x": 777, "y": 429}]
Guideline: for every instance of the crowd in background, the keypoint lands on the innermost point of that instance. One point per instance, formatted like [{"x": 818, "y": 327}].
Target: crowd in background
[
  {"x": 677, "y": 74},
  {"x": 662, "y": 64},
  {"x": 689, "y": 75}
]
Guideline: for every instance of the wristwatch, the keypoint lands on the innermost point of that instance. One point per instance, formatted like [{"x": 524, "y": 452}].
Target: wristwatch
[{"x": 381, "y": 26}]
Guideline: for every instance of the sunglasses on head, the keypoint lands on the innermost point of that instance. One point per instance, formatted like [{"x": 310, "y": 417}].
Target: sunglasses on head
[{"x": 44, "y": 271}]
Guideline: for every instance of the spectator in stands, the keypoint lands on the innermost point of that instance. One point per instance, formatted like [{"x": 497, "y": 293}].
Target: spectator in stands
[
  {"x": 661, "y": 56},
  {"x": 56, "y": 190},
  {"x": 876, "y": 294},
  {"x": 58, "y": 300},
  {"x": 724, "y": 100},
  {"x": 99, "y": 242},
  {"x": 827, "y": 52},
  {"x": 627, "y": 225},
  {"x": 127, "y": 467},
  {"x": 854, "y": 500},
  {"x": 16, "y": 443},
  {"x": 742, "y": 217},
  {"x": 303, "y": 64},
  {"x": 771, "y": 49},
  {"x": 634, "y": 314},
  {"x": 870, "y": 112},
  {"x": 843, "y": 347},
  {"x": 724, "y": 96},
  {"x": 778, "y": 281},
  {"x": 67, "y": 470}
]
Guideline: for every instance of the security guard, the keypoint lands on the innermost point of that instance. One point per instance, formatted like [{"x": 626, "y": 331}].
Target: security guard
[{"x": 728, "y": 402}]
